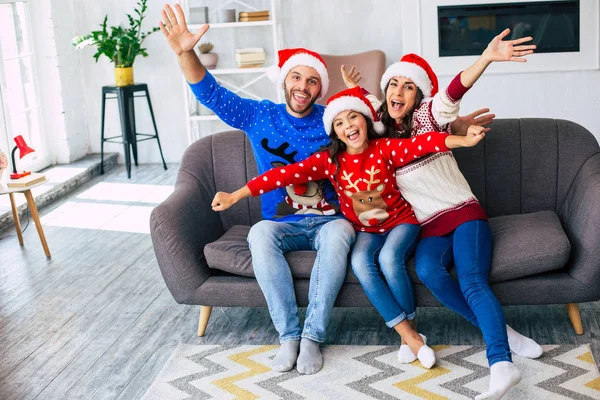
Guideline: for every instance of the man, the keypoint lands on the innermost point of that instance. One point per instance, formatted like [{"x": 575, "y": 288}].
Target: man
[{"x": 280, "y": 132}]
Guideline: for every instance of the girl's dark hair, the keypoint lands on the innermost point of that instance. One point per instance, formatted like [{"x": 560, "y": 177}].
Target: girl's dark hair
[
  {"x": 388, "y": 121},
  {"x": 336, "y": 146}
]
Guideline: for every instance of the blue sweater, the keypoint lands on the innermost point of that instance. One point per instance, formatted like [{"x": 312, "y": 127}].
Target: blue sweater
[{"x": 272, "y": 132}]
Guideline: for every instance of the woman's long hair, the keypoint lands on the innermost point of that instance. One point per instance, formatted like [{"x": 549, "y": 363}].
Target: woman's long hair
[
  {"x": 336, "y": 147},
  {"x": 389, "y": 122}
]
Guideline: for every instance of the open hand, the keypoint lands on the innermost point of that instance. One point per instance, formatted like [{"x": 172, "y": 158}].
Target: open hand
[
  {"x": 351, "y": 78},
  {"x": 461, "y": 124},
  {"x": 474, "y": 135},
  {"x": 508, "y": 50},
  {"x": 175, "y": 29},
  {"x": 222, "y": 201}
]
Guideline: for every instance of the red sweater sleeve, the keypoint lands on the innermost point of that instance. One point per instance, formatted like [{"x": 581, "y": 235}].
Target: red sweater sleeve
[
  {"x": 314, "y": 168},
  {"x": 456, "y": 90},
  {"x": 399, "y": 152}
]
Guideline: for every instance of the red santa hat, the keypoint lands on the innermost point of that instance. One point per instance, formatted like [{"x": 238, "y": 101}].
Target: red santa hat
[
  {"x": 415, "y": 68},
  {"x": 351, "y": 99},
  {"x": 290, "y": 58}
]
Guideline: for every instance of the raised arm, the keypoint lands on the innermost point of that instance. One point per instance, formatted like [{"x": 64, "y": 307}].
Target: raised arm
[
  {"x": 498, "y": 50},
  {"x": 232, "y": 109},
  {"x": 182, "y": 42},
  {"x": 352, "y": 77}
]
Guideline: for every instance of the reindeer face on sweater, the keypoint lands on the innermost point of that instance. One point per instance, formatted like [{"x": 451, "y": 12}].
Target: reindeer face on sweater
[{"x": 368, "y": 205}]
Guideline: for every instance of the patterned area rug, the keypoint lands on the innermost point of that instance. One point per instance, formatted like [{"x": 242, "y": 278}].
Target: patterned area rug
[{"x": 369, "y": 372}]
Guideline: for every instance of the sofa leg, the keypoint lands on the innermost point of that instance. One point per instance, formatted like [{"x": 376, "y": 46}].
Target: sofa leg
[
  {"x": 575, "y": 317},
  {"x": 203, "y": 321}
]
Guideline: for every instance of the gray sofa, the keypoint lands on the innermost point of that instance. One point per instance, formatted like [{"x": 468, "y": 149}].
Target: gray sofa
[{"x": 538, "y": 180}]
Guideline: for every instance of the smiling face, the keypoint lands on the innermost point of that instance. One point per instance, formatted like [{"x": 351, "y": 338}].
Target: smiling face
[
  {"x": 351, "y": 128},
  {"x": 302, "y": 86},
  {"x": 400, "y": 97}
]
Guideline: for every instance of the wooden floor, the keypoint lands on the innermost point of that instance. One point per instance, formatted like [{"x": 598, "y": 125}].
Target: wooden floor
[{"x": 97, "y": 322}]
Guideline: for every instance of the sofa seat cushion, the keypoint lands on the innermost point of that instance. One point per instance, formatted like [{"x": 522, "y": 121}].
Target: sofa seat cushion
[
  {"x": 231, "y": 253},
  {"x": 527, "y": 244},
  {"x": 524, "y": 244}
]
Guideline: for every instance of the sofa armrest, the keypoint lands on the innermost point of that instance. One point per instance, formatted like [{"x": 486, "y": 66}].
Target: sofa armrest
[
  {"x": 580, "y": 215},
  {"x": 180, "y": 227}
]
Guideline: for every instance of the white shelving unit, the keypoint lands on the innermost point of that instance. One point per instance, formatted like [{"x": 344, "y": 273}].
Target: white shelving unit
[{"x": 198, "y": 118}]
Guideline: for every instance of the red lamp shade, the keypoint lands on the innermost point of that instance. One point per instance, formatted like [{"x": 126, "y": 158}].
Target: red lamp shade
[{"x": 23, "y": 151}]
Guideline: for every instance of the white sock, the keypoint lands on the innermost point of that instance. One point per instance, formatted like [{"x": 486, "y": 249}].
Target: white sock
[
  {"x": 426, "y": 354},
  {"x": 310, "y": 359},
  {"x": 405, "y": 354},
  {"x": 286, "y": 356},
  {"x": 503, "y": 376},
  {"x": 522, "y": 345}
]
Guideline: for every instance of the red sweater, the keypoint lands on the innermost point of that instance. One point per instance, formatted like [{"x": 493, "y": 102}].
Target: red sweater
[{"x": 365, "y": 182}]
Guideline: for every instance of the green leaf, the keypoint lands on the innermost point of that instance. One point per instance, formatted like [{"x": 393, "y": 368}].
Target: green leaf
[{"x": 120, "y": 44}]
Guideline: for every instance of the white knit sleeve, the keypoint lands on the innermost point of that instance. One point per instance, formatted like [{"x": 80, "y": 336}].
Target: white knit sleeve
[{"x": 444, "y": 109}]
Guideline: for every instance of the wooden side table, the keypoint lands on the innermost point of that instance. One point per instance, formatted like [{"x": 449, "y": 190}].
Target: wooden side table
[{"x": 32, "y": 208}]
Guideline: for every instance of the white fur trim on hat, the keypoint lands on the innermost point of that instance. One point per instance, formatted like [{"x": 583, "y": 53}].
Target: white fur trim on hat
[
  {"x": 345, "y": 103},
  {"x": 408, "y": 70},
  {"x": 309, "y": 61}
]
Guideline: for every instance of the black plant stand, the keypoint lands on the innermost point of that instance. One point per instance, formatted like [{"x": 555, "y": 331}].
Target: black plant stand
[{"x": 125, "y": 96}]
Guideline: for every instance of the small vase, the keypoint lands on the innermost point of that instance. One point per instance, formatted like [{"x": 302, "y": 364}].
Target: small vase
[
  {"x": 209, "y": 60},
  {"x": 123, "y": 76}
]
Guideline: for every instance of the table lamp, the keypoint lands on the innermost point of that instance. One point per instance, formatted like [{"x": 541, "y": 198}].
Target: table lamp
[{"x": 23, "y": 151}]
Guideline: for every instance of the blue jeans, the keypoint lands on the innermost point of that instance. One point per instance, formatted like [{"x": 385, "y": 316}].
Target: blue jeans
[
  {"x": 331, "y": 237},
  {"x": 379, "y": 263},
  {"x": 470, "y": 247}
]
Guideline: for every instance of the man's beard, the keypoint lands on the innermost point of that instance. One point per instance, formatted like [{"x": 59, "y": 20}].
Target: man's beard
[{"x": 288, "y": 100}]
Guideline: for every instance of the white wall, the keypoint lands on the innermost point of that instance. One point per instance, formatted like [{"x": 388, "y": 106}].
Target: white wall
[{"x": 333, "y": 27}]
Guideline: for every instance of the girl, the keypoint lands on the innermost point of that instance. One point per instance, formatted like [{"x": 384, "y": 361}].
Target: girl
[
  {"x": 361, "y": 165},
  {"x": 454, "y": 225}
]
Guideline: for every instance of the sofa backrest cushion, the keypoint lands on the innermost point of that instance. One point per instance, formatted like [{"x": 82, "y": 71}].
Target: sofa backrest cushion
[
  {"x": 522, "y": 166},
  {"x": 526, "y": 165}
]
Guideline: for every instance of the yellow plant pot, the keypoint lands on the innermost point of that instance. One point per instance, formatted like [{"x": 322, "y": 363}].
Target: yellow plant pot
[{"x": 124, "y": 76}]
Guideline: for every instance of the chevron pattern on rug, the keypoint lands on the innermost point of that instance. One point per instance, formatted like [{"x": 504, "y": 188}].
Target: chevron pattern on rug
[{"x": 195, "y": 372}]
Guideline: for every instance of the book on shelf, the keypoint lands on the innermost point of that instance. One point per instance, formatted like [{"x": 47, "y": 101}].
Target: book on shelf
[
  {"x": 253, "y": 19},
  {"x": 26, "y": 181},
  {"x": 244, "y": 14},
  {"x": 252, "y": 64},
  {"x": 248, "y": 57},
  {"x": 251, "y": 57}
]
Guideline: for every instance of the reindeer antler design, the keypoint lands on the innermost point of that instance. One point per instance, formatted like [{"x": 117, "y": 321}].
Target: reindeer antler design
[
  {"x": 280, "y": 151},
  {"x": 372, "y": 172},
  {"x": 348, "y": 178}
]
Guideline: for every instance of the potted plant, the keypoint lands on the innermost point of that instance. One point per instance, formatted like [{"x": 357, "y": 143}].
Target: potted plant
[
  {"x": 208, "y": 59},
  {"x": 119, "y": 43}
]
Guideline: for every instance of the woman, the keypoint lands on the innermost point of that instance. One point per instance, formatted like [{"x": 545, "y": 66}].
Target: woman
[{"x": 454, "y": 227}]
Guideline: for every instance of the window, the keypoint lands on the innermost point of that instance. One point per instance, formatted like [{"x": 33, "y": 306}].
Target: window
[
  {"x": 467, "y": 29},
  {"x": 19, "y": 100}
]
